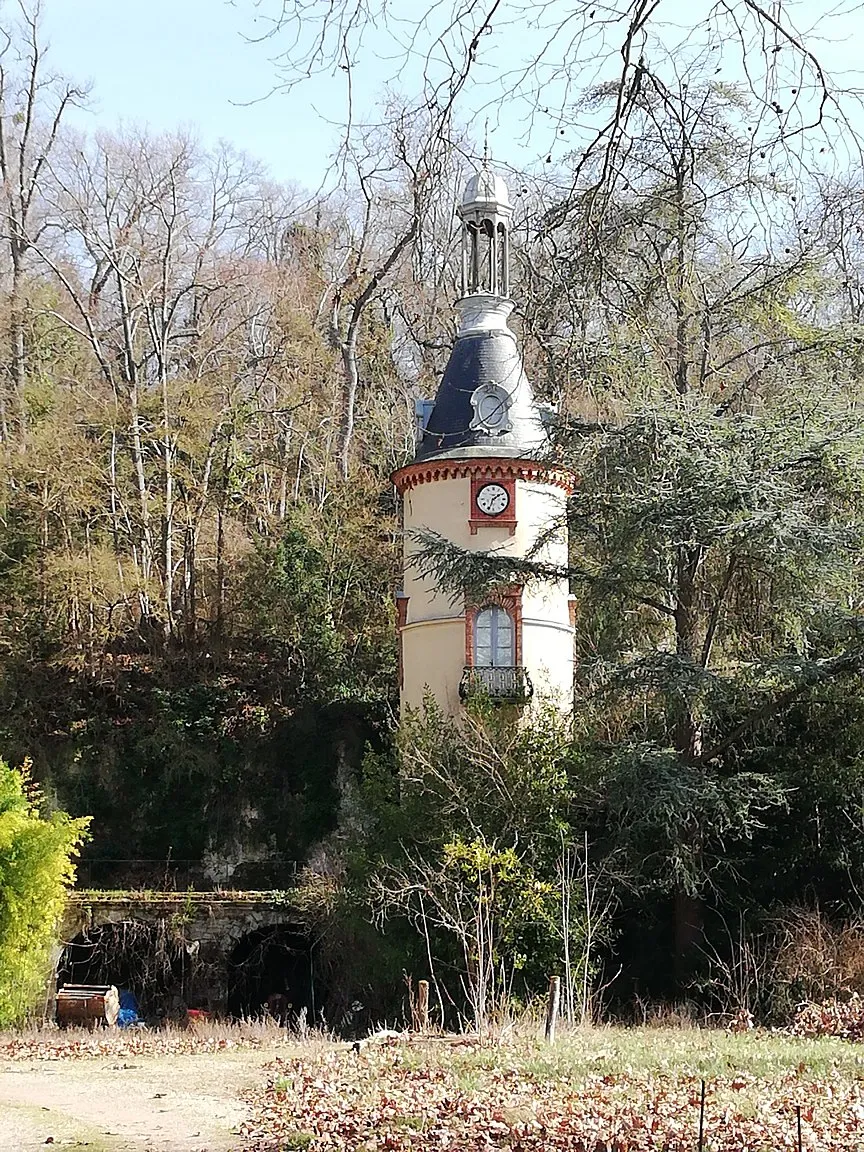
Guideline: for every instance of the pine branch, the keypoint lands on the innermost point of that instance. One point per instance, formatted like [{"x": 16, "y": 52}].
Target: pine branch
[
  {"x": 465, "y": 573},
  {"x": 817, "y": 672}
]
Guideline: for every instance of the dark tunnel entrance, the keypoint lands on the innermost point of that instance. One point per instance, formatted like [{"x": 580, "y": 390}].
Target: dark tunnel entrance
[
  {"x": 145, "y": 959},
  {"x": 270, "y": 970}
]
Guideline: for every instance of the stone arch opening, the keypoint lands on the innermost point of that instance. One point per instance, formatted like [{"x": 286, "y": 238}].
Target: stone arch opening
[
  {"x": 270, "y": 969},
  {"x": 149, "y": 960}
]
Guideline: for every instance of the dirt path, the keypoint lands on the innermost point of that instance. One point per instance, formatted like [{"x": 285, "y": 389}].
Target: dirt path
[{"x": 179, "y": 1103}]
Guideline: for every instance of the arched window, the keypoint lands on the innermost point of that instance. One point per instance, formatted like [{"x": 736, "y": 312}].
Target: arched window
[
  {"x": 487, "y": 234},
  {"x": 494, "y": 637},
  {"x": 473, "y": 259},
  {"x": 503, "y": 285}
]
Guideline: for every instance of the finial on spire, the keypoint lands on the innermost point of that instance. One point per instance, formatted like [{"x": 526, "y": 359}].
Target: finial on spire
[{"x": 486, "y": 143}]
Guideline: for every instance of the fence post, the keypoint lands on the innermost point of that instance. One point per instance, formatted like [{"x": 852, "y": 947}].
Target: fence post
[
  {"x": 422, "y": 1005},
  {"x": 702, "y": 1118},
  {"x": 552, "y": 1008}
]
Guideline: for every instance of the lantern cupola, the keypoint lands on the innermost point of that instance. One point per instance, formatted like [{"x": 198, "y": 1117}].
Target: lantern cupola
[{"x": 485, "y": 214}]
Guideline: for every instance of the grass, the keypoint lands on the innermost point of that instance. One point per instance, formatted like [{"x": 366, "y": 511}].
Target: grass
[
  {"x": 144, "y": 896},
  {"x": 700, "y": 1052},
  {"x": 30, "y": 1122}
]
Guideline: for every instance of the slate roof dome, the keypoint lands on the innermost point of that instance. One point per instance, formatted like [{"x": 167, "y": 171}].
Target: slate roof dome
[
  {"x": 484, "y": 371},
  {"x": 484, "y": 188}
]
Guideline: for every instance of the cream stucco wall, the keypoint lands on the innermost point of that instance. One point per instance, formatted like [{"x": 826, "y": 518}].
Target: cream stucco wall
[
  {"x": 433, "y": 638},
  {"x": 433, "y": 656}
]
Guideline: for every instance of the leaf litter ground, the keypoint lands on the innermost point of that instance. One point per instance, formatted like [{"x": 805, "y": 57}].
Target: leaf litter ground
[{"x": 601, "y": 1089}]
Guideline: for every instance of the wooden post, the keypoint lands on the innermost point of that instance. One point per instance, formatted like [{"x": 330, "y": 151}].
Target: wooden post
[
  {"x": 552, "y": 1008},
  {"x": 798, "y": 1115},
  {"x": 422, "y": 1005}
]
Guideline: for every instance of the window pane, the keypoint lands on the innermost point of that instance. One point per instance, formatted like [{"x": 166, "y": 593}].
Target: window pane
[
  {"x": 503, "y": 640},
  {"x": 493, "y": 639},
  {"x": 483, "y": 638}
]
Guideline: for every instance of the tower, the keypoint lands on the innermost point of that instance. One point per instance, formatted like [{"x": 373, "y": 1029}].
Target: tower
[{"x": 481, "y": 479}]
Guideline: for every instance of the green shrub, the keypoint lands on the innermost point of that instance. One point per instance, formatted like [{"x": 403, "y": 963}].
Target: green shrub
[{"x": 36, "y": 867}]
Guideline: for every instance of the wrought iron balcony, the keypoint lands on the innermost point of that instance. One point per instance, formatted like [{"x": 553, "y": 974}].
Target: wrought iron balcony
[{"x": 511, "y": 685}]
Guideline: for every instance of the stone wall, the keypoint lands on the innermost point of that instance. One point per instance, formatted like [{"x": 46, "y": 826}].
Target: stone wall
[{"x": 207, "y": 925}]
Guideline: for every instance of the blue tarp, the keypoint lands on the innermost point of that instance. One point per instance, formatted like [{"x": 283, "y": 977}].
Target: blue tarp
[{"x": 128, "y": 1013}]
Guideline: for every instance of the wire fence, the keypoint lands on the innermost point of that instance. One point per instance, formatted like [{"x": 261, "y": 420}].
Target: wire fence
[
  {"x": 177, "y": 875},
  {"x": 797, "y": 1135}
]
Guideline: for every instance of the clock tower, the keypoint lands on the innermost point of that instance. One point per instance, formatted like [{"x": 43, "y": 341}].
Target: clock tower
[{"x": 482, "y": 479}]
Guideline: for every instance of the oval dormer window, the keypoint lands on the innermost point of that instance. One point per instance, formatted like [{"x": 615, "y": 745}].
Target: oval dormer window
[{"x": 491, "y": 405}]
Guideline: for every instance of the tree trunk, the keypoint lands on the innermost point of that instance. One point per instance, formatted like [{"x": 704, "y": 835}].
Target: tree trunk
[
  {"x": 219, "y": 623},
  {"x": 682, "y": 351},
  {"x": 168, "y": 519},
  {"x": 687, "y": 735},
  {"x": 130, "y": 373},
  {"x": 146, "y": 539},
  {"x": 190, "y": 587},
  {"x": 349, "y": 401},
  {"x": 18, "y": 353},
  {"x": 689, "y": 918}
]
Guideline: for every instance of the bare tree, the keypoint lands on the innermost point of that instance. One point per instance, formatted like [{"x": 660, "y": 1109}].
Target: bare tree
[
  {"x": 393, "y": 193},
  {"x": 33, "y": 104}
]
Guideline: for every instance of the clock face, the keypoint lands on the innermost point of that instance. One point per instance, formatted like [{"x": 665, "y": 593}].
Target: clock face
[{"x": 493, "y": 499}]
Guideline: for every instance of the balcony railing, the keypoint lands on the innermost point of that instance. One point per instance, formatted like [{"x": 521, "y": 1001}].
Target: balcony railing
[{"x": 512, "y": 685}]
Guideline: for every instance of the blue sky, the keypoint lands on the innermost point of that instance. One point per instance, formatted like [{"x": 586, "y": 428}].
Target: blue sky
[{"x": 173, "y": 63}]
